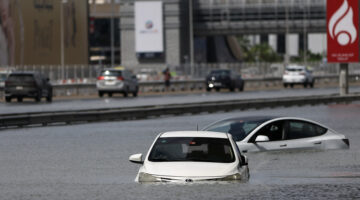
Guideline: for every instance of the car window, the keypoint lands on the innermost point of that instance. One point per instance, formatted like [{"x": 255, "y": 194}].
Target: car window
[
  {"x": 239, "y": 129},
  {"x": 192, "y": 149},
  {"x": 220, "y": 72},
  {"x": 301, "y": 129},
  {"x": 21, "y": 77},
  {"x": 273, "y": 130}
]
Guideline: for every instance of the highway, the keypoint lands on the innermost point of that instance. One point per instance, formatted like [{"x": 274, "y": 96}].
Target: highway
[
  {"x": 118, "y": 101},
  {"x": 90, "y": 161}
]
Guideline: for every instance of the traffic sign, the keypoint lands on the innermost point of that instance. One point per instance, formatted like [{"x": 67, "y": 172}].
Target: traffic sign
[{"x": 342, "y": 31}]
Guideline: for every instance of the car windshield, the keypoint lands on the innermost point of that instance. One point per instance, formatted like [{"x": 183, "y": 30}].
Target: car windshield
[
  {"x": 192, "y": 149},
  {"x": 111, "y": 73},
  {"x": 238, "y": 128}
]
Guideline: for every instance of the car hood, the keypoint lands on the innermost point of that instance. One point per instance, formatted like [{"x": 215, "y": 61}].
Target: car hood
[{"x": 190, "y": 169}]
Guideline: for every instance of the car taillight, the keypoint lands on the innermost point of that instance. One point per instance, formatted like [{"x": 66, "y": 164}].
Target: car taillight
[
  {"x": 100, "y": 78},
  {"x": 120, "y": 78},
  {"x": 302, "y": 73}
]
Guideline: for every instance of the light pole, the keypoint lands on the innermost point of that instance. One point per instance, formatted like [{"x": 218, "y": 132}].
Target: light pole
[
  {"x": 286, "y": 57},
  {"x": 191, "y": 35},
  {"x": 62, "y": 47},
  {"x": 112, "y": 33}
]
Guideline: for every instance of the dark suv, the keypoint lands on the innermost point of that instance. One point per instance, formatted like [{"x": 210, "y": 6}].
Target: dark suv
[
  {"x": 224, "y": 78},
  {"x": 27, "y": 84}
]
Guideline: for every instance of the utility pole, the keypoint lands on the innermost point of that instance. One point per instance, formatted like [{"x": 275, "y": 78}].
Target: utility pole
[
  {"x": 191, "y": 35},
  {"x": 287, "y": 48},
  {"x": 112, "y": 34}
]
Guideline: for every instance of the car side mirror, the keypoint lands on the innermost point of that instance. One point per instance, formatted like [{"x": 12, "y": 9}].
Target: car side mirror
[
  {"x": 262, "y": 138},
  {"x": 244, "y": 160},
  {"x": 136, "y": 158}
]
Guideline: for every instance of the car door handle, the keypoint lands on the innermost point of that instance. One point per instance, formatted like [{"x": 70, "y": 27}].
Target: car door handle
[
  {"x": 283, "y": 145},
  {"x": 317, "y": 143},
  {"x": 245, "y": 151}
]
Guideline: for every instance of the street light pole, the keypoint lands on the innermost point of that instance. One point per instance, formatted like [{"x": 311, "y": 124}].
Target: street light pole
[
  {"x": 112, "y": 34},
  {"x": 62, "y": 47},
  {"x": 286, "y": 57},
  {"x": 191, "y": 35}
]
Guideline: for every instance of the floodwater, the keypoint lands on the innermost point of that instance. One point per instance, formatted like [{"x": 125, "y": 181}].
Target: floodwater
[{"x": 90, "y": 161}]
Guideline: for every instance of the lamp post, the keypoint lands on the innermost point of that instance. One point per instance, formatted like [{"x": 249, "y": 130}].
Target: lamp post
[
  {"x": 62, "y": 47},
  {"x": 191, "y": 35}
]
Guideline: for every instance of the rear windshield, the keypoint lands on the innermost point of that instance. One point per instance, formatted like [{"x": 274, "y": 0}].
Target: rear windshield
[
  {"x": 21, "y": 77},
  {"x": 192, "y": 149},
  {"x": 111, "y": 73},
  {"x": 220, "y": 72},
  {"x": 295, "y": 69}
]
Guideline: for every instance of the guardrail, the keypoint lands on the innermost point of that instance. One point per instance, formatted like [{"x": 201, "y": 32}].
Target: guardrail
[
  {"x": 186, "y": 85},
  {"x": 141, "y": 112},
  {"x": 189, "y": 85}
]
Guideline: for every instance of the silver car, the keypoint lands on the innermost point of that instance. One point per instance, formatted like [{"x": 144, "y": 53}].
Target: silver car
[
  {"x": 117, "y": 81},
  {"x": 295, "y": 74},
  {"x": 257, "y": 133}
]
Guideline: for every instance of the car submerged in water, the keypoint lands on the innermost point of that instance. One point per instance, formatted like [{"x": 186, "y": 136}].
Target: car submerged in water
[
  {"x": 279, "y": 133},
  {"x": 189, "y": 156}
]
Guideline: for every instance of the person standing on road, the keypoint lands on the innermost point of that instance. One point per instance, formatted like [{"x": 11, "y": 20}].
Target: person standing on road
[{"x": 167, "y": 77}]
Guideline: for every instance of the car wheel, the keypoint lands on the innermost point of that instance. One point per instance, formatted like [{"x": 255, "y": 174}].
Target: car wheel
[
  {"x": 8, "y": 99},
  {"x": 19, "y": 99},
  {"x": 101, "y": 94},
  {"x": 285, "y": 85},
  {"x": 217, "y": 89},
  {"x": 49, "y": 96},
  {"x": 291, "y": 85},
  {"x": 208, "y": 89},
  {"x": 305, "y": 85},
  {"x": 38, "y": 96},
  {"x": 110, "y": 94},
  {"x": 232, "y": 89}
]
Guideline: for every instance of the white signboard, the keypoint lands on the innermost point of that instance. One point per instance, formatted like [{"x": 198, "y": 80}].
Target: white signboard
[{"x": 149, "y": 27}]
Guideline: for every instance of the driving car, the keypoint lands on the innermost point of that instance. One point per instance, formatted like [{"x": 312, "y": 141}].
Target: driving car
[
  {"x": 258, "y": 133},
  {"x": 296, "y": 74},
  {"x": 187, "y": 156},
  {"x": 113, "y": 80},
  {"x": 224, "y": 78},
  {"x": 28, "y": 84}
]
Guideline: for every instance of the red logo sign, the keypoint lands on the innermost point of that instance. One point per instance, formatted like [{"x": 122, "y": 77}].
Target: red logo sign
[{"x": 343, "y": 31}]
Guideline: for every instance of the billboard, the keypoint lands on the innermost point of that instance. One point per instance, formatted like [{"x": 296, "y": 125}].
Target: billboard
[
  {"x": 149, "y": 27},
  {"x": 30, "y": 32},
  {"x": 343, "y": 31}
]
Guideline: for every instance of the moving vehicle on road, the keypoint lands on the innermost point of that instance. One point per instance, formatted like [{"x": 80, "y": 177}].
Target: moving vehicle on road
[
  {"x": 296, "y": 74},
  {"x": 28, "y": 85},
  {"x": 117, "y": 81},
  {"x": 279, "y": 133},
  {"x": 224, "y": 78},
  {"x": 187, "y": 156}
]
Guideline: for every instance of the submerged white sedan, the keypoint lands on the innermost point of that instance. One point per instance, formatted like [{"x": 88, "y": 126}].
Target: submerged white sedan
[
  {"x": 188, "y": 156},
  {"x": 279, "y": 133}
]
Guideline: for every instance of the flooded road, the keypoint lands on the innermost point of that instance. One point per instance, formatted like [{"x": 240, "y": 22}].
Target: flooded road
[{"x": 90, "y": 161}]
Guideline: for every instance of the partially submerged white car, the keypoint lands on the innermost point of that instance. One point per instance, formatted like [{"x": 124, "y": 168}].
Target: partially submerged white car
[
  {"x": 188, "y": 156},
  {"x": 279, "y": 133}
]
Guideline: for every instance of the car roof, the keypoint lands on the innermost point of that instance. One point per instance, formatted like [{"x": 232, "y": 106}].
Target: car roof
[
  {"x": 207, "y": 134},
  {"x": 295, "y": 67},
  {"x": 23, "y": 73}
]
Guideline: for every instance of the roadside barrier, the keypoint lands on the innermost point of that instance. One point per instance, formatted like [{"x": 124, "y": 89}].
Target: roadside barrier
[{"x": 143, "y": 112}]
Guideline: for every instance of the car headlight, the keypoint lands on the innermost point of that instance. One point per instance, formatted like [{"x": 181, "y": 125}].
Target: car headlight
[
  {"x": 145, "y": 177},
  {"x": 236, "y": 176}
]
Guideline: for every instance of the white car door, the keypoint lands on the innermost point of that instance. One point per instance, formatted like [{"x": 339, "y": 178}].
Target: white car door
[
  {"x": 303, "y": 135},
  {"x": 274, "y": 132}
]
